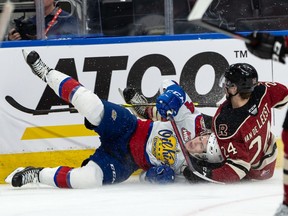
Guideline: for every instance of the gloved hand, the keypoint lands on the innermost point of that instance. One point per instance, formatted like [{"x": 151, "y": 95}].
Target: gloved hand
[
  {"x": 200, "y": 166},
  {"x": 267, "y": 46},
  {"x": 171, "y": 100},
  {"x": 160, "y": 174}
]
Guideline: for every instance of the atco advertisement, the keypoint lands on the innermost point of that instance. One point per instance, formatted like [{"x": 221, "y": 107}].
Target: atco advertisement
[{"x": 31, "y": 128}]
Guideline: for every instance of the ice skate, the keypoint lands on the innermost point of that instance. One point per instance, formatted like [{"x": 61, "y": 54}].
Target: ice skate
[
  {"x": 38, "y": 67},
  {"x": 132, "y": 97},
  {"x": 282, "y": 210},
  {"x": 22, "y": 176}
]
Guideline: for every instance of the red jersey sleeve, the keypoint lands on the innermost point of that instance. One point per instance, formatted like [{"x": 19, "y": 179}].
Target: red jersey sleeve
[{"x": 278, "y": 93}]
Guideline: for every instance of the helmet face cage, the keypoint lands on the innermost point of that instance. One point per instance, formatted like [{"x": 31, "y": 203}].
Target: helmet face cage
[
  {"x": 224, "y": 82},
  {"x": 213, "y": 153},
  {"x": 243, "y": 75}
]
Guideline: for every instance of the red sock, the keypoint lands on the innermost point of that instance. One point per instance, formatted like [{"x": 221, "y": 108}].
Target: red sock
[
  {"x": 68, "y": 88},
  {"x": 62, "y": 177}
]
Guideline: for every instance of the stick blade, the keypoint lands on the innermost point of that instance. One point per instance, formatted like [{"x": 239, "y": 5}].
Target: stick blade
[{"x": 199, "y": 9}]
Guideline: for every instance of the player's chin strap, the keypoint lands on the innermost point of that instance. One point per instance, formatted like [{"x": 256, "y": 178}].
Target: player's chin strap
[
  {"x": 231, "y": 95},
  {"x": 185, "y": 152}
]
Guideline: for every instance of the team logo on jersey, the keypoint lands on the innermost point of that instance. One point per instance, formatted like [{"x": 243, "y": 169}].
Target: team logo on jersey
[
  {"x": 253, "y": 110},
  {"x": 113, "y": 114},
  {"x": 186, "y": 135},
  {"x": 164, "y": 147},
  {"x": 222, "y": 132}
]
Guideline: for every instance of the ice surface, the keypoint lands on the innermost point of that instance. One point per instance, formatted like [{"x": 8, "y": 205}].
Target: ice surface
[{"x": 135, "y": 198}]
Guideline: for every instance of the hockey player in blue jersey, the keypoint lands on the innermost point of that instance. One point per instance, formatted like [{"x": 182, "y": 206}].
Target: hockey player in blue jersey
[{"x": 127, "y": 143}]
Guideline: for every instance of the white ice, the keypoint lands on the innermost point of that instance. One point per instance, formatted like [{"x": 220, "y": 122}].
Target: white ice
[{"x": 134, "y": 198}]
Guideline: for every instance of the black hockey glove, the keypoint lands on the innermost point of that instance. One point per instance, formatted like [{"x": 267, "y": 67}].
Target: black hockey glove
[
  {"x": 267, "y": 46},
  {"x": 204, "y": 168}
]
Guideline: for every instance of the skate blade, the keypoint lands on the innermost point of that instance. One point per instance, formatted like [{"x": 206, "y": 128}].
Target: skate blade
[
  {"x": 25, "y": 54},
  {"x": 121, "y": 93},
  {"x": 8, "y": 179}
]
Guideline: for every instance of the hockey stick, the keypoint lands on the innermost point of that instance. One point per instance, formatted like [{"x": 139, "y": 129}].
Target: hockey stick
[
  {"x": 197, "y": 13},
  {"x": 154, "y": 104},
  {"x": 185, "y": 152},
  {"x": 20, "y": 107}
]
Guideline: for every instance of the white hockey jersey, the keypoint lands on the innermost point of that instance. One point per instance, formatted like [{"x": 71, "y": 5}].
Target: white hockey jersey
[{"x": 161, "y": 146}]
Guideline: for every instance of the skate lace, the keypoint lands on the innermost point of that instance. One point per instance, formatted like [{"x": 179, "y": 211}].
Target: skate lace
[
  {"x": 29, "y": 176},
  {"x": 39, "y": 67},
  {"x": 137, "y": 99}
]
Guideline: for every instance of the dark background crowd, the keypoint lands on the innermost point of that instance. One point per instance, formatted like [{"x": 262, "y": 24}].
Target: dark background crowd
[{"x": 149, "y": 17}]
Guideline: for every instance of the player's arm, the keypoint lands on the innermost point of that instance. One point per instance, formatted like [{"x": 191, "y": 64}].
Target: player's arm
[
  {"x": 278, "y": 94},
  {"x": 228, "y": 172},
  {"x": 170, "y": 101},
  {"x": 267, "y": 46},
  {"x": 162, "y": 174},
  {"x": 233, "y": 169},
  {"x": 174, "y": 99}
]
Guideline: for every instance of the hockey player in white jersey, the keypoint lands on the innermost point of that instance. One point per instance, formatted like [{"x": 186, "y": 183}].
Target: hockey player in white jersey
[{"x": 127, "y": 143}]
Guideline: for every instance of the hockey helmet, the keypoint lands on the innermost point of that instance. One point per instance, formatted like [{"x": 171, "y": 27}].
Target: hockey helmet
[
  {"x": 243, "y": 75},
  {"x": 213, "y": 153}
]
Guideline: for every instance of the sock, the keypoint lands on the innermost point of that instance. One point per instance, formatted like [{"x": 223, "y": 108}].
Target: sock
[
  {"x": 86, "y": 102},
  {"x": 63, "y": 85},
  {"x": 56, "y": 177}
]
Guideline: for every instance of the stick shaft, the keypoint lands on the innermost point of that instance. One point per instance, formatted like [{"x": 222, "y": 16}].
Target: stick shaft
[
  {"x": 181, "y": 143},
  {"x": 196, "y": 16},
  {"x": 185, "y": 152},
  {"x": 222, "y": 31},
  {"x": 22, "y": 108}
]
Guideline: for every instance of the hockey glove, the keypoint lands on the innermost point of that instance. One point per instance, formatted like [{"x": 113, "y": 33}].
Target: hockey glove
[
  {"x": 200, "y": 166},
  {"x": 171, "y": 100},
  {"x": 267, "y": 46},
  {"x": 160, "y": 174}
]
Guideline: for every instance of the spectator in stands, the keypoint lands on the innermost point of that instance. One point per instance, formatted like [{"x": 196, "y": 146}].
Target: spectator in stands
[
  {"x": 149, "y": 17},
  {"x": 57, "y": 23}
]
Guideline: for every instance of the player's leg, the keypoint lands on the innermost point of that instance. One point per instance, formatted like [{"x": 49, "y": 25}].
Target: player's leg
[
  {"x": 285, "y": 164},
  {"x": 283, "y": 208},
  {"x": 88, "y": 176},
  {"x": 117, "y": 166},
  {"x": 86, "y": 102},
  {"x": 100, "y": 168}
]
